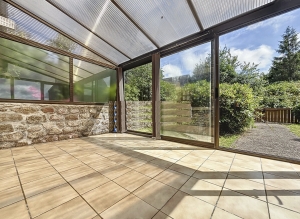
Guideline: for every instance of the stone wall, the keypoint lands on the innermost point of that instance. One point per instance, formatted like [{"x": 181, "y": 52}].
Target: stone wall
[
  {"x": 138, "y": 115},
  {"x": 24, "y": 124}
]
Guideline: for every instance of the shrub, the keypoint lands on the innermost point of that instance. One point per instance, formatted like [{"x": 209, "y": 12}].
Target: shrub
[
  {"x": 198, "y": 92},
  {"x": 237, "y": 106}
]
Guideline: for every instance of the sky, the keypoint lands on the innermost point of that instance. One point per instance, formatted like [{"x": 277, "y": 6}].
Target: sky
[{"x": 256, "y": 43}]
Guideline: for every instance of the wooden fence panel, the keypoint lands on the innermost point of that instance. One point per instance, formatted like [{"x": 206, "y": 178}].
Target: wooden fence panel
[{"x": 279, "y": 115}]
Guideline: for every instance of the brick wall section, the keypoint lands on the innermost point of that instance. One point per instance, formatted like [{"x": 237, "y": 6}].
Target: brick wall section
[{"x": 24, "y": 124}]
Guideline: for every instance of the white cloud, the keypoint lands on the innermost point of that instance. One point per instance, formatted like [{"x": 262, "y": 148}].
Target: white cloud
[
  {"x": 275, "y": 22},
  {"x": 262, "y": 56},
  {"x": 190, "y": 59},
  {"x": 171, "y": 71}
]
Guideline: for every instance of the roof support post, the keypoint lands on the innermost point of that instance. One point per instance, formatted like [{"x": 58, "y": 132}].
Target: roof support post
[
  {"x": 120, "y": 101},
  {"x": 216, "y": 82},
  {"x": 156, "y": 96}
]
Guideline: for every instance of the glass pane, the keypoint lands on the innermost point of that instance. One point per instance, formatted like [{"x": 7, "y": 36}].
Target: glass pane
[
  {"x": 29, "y": 69},
  {"x": 186, "y": 94},
  {"x": 260, "y": 87},
  {"x": 138, "y": 97},
  {"x": 93, "y": 83},
  {"x": 5, "y": 88},
  {"x": 27, "y": 90}
]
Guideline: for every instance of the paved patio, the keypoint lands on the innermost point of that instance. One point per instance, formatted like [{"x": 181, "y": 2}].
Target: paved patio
[{"x": 126, "y": 176}]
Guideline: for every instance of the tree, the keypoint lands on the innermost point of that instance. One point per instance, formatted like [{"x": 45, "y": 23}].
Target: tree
[
  {"x": 63, "y": 43},
  {"x": 202, "y": 70},
  {"x": 286, "y": 67}
]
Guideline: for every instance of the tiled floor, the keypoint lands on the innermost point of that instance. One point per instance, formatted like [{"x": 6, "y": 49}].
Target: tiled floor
[{"x": 126, "y": 176}]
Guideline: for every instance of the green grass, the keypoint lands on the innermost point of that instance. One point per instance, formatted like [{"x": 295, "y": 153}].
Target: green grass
[
  {"x": 294, "y": 128},
  {"x": 228, "y": 140}
]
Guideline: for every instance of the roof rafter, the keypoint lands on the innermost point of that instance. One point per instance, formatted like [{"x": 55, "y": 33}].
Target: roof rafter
[
  {"x": 58, "y": 30},
  {"x": 195, "y": 14}
]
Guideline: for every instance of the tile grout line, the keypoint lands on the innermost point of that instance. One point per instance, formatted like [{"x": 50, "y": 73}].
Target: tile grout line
[
  {"x": 27, "y": 207},
  {"x": 68, "y": 184},
  {"x": 266, "y": 194},
  {"x": 222, "y": 190}
]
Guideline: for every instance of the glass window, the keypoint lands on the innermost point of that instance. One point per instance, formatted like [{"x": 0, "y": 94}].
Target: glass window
[
  {"x": 138, "y": 97},
  {"x": 186, "y": 94},
  {"x": 93, "y": 83},
  {"x": 30, "y": 73}
]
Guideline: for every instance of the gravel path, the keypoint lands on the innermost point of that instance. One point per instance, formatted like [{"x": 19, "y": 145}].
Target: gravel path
[{"x": 271, "y": 139}]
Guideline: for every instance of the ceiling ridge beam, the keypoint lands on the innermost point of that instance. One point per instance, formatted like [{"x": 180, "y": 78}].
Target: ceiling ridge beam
[
  {"x": 195, "y": 14},
  {"x": 86, "y": 27},
  {"x": 134, "y": 23},
  {"x": 58, "y": 30}
]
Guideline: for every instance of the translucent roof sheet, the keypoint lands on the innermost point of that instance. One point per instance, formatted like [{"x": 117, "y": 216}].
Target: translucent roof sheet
[
  {"x": 55, "y": 17},
  {"x": 212, "y": 12},
  {"x": 105, "y": 19},
  {"x": 165, "y": 21},
  {"x": 120, "y": 30}
]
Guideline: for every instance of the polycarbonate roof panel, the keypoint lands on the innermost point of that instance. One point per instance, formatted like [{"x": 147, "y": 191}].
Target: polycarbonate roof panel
[
  {"x": 105, "y": 19},
  {"x": 63, "y": 22},
  {"x": 29, "y": 28},
  {"x": 164, "y": 20},
  {"x": 212, "y": 12}
]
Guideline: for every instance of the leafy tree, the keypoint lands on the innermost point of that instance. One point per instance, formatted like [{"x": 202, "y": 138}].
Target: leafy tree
[
  {"x": 202, "y": 70},
  {"x": 286, "y": 67},
  {"x": 228, "y": 66},
  {"x": 63, "y": 43}
]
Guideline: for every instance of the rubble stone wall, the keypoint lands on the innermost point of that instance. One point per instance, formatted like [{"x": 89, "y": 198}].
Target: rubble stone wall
[{"x": 24, "y": 124}]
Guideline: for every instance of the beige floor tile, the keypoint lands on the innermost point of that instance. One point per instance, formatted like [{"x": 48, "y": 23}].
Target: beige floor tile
[
  {"x": 76, "y": 208},
  {"x": 7, "y": 171},
  {"x": 220, "y": 214},
  {"x": 224, "y": 153},
  {"x": 10, "y": 196},
  {"x": 6, "y": 161},
  {"x": 133, "y": 163},
  {"x": 105, "y": 196},
  {"x": 182, "y": 206},
  {"x": 163, "y": 162},
  {"x": 161, "y": 215},
  {"x": 253, "y": 165},
  {"x": 202, "y": 153},
  {"x": 191, "y": 159},
  {"x": 282, "y": 213},
  {"x": 217, "y": 166},
  {"x": 253, "y": 175},
  {"x": 91, "y": 158},
  {"x": 33, "y": 166},
  {"x": 242, "y": 205},
  {"x": 102, "y": 165},
  {"x": 61, "y": 159},
  {"x": 42, "y": 185},
  {"x": 211, "y": 176},
  {"x": 115, "y": 171},
  {"x": 184, "y": 168},
  {"x": 29, "y": 161},
  {"x": 60, "y": 167},
  {"x": 155, "y": 193},
  {"x": 5, "y": 153},
  {"x": 150, "y": 170},
  {"x": 205, "y": 191},
  {"x": 129, "y": 208},
  {"x": 50, "y": 199},
  {"x": 132, "y": 180},
  {"x": 145, "y": 157},
  {"x": 246, "y": 187},
  {"x": 119, "y": 158},
  {"x": 285, "y": 172},
  {"x": 283, "y": 198},
  {"x": 172, "y": 178},
  {"x": 175, "y": 155},
  {"x": 282, "y": 183},
  {"x": 247, "y": 158},
  {"x": 77, "y": 172},
  {"x": 15, "y": 211},
  {"x": 88, "y": 182},
  {"x": 37, "y": 174},
  {"x": 9, "y": 182},
  {"x": 220, "y": 158}
]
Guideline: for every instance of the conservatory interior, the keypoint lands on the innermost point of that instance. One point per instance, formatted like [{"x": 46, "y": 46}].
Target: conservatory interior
[{"x": 149, "y": 109}]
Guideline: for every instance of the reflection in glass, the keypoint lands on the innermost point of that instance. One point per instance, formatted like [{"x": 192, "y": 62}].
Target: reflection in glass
[
  {"x": 93, "y": 83},
  {"x": 32, "y": 73},
  {"x": 138, "y": 96},
  {"x": 186, "y": 94}
]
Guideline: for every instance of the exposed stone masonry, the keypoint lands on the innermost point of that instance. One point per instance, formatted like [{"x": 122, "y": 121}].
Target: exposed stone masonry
[{"x": 25, "y": 124}]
